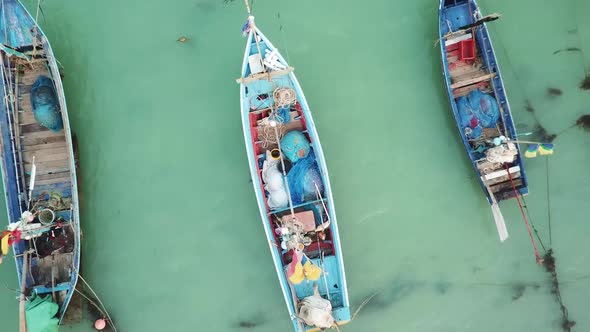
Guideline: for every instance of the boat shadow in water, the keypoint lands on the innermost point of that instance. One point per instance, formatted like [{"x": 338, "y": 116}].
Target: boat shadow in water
[
  {"x": 250, "y": 323},
  {"x": 398, "y": 290}
]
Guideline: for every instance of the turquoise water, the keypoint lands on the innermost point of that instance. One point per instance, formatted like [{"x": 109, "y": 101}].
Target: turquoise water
[{"x": 172, "y": 236}]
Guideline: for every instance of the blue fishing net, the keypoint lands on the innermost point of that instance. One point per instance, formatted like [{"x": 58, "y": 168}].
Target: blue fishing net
[
  {"x": 295, "y": 146},
  {"x": 45, "y": 104},
  {"x": 477, "y": 111},
  {"x": 302, "y": 177},
  {"x": 284, "y": 114}
]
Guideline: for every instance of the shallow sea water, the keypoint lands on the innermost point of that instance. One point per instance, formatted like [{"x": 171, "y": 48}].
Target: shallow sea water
[{"x": 172, "y": 236}]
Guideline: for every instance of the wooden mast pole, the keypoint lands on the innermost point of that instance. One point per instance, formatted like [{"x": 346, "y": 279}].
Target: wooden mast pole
[{"x": 22, "y": 299}]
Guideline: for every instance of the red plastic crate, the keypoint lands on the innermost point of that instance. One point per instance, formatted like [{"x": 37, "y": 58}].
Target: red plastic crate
[{"x": 467, "y": 49}]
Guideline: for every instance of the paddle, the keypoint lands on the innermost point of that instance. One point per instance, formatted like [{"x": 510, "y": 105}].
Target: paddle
[
  {"x": 498, "y": 217},
  {"x": 23, "y": 299},
  {"x": 488, "y": 18}
]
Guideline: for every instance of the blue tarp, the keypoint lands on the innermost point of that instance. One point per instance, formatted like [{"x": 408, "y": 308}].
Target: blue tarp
[
  {"x": 477, "y": 110},
  {"x": 295, "y": 146},
  {"x": 40, "y": 314}
]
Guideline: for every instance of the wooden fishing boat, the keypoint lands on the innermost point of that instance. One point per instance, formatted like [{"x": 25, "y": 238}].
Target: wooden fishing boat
[
  {"x": 38, "y": 166},
  {"x": 291, "y": 182},
  {"x": 479, "y": 103}
]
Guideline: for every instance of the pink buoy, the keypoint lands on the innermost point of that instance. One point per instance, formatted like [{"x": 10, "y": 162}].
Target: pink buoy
[{"x": 100, "y": 324}]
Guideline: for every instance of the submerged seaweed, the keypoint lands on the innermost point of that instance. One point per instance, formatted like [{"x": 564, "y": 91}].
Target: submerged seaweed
[
  {"x": 518, "y": 291},
  {"x": 554, "y": 92},
  {"x": 528, "y": 106},
  {"x": 568, "y": 49},
  {"x": 250, "y": 323},
  {"x": 549, "y": 264},
  {"x": 542, "y": 135},
  {"x": 442, "y": 287},
  {"x": 399, "y": 290},
  {"x": 584, "y": 122},
  {"x": 585, "y": 83}
]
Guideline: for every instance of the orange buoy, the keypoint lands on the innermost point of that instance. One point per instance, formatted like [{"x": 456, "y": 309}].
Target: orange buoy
[{"x": 100, "y": 324}]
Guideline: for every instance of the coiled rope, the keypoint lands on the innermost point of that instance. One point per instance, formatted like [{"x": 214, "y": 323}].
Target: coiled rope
[{"x": 284, "y": 97}]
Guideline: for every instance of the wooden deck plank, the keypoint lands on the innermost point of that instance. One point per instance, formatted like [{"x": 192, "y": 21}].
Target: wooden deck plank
[
  {"x": 25, "y": 105},
  {"x": 482, "y": 86},
  {"x": 34, "y": 141},
  {"x": 30, "y": 76},
  {"x": 39, "y": 147},
  {"x": 60, "y": 153},
  {"x": 26, "y": 117},
  {"x": 474, "y": 80},
  {"x": 63, "y": 179},
  {"x": 461, "y": 68},
  {"x": 506, "y": 185},
  {"x": 42, "y": 134},
  {"x": 32, "y": 128},
  {"x": 51, "y": 176},
  {"x": 58, "y": 167}
]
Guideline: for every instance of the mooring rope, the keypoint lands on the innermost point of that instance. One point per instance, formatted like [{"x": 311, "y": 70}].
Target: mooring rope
[
  {"x": 526, "y": 222},
  {"x": 548, "y": 205},
  {"x": 526, "y": 208},
  {"x": 548, "y": 260}
]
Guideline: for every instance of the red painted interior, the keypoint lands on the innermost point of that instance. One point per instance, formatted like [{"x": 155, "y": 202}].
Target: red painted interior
[{"x": 326, "y": 245}]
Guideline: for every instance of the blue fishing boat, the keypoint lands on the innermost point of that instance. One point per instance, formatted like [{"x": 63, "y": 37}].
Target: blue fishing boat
[
  {"x": 292, "y": 187},
  {"x": 479, "y": 103},
  {"x": 38, "y": 168}
]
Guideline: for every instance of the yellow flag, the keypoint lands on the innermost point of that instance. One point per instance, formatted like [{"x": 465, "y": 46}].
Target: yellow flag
[
  {"x": 312, "y": 271},
  {"x": 5, "y": 246}
]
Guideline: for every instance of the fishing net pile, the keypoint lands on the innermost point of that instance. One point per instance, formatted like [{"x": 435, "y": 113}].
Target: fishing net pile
[
  {"x": 45, "y": 104},
  {"x": 477, "y": 110}
]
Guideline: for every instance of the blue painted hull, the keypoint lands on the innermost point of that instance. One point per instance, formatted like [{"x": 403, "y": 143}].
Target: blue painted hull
[
  {"x": 17, "y": 27},
  {"x": 333, "y": 284},
  {"x": 454, "y": 14}
]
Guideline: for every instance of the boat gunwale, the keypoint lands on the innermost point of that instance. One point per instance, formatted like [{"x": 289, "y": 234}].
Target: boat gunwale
[
  {"x": 252, "y": 159},
  {"x": 498, "y": 90},
  {"x": 56, "y": 79}
]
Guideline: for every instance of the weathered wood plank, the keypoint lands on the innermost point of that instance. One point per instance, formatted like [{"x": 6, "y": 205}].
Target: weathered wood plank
[
  {"x": 56, "y": 166},
  {"x": 46, "y": 139},
  {"x": 262, "y": 76},
  {"x": 483, "y": 86},
  {"x": 43, "y": 134},
  {"x": 472, "y": 81},
  {"x": 25, "y": 88},
  {"x": 51, "y": 176},
  {"x": 32, "y": 128},
  {"x": 63, "y": 179},
  {"x": 30, "y": 76},
  {"x": 506, "y": 185},
  {"x": 24, "y": 104},
  {"x": 462, "y": 68},
  {"x": 46, "y": 155},
  {"x": 39, "y": 147},
  {"x": 26, "y": 117}
]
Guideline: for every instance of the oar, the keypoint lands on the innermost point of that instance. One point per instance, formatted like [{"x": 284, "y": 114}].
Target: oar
[
  {"x": 498, "y": 217},
  {"x": 22, "y": 299},
  {"x": 32, "y": 182},
  {"x": 488, "y": 18}
]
